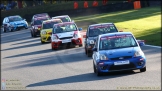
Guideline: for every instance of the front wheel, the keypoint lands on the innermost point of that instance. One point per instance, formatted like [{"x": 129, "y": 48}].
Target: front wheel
[
  {"x": 31, "y": 34},
  {"x": 80, "y": 45},
  {"x": 89, "y": 54},
  {"x": 143, "y": 69},
  {"x": 42, "y": 41},
  {"x": 34, "y": 35}
]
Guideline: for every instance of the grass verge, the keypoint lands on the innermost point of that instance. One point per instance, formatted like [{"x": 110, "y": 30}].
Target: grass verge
[{"x": 144, "y": 23}]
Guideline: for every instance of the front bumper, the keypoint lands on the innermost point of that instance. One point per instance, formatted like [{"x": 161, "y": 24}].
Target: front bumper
[
  {"x": 57, "y": 44},
  {"x": 109, "y": 66},
  {"x": 46, "y": 38},
  {"x": 21, "y": 26},
  {"x": 37, "y": 32}
]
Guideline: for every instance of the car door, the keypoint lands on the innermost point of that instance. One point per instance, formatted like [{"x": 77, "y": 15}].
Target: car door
[
  {"x": 95, "y": 54},
  {"x": 85, "y": 41},
  {"x": 6, "y": 23}
]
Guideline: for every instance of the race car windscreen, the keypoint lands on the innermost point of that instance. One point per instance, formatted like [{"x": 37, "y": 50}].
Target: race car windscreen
[
  {"x": 101, "y": 29},
  {"x": 64, "y": 19},
  {"x": 15, "y": 18},
  {"x": 64, "y": 28},
  {"x": 48, "y": 25},
  {"x": 115, "y": 42},
  {"x": 39, "y": 22}
]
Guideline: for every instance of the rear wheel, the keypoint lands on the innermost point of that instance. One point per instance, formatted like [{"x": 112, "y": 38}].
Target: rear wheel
[
  {"x": 94, "y": 68},
  {"x": 3, "y": 29},
  {"x": 143, "y": 69}
]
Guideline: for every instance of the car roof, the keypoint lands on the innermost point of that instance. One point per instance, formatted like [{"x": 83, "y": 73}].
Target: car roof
[
  {"x": 64, "y": 23},
  {"x": 39, "y": 18},
  {"x": 60, "y": 16},
  {"x": 99, "y": 24},
  {"x": 40, "y": 15},
  {"x": 14, "y": 16},
  {"x": 115, "y": 33},
  {"x": 51, "y": 20}
]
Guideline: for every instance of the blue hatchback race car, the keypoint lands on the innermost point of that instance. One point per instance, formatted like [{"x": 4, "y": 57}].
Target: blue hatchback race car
[
  {"x": 116, "y": 52},
  {"x": 12, "y": 23}
]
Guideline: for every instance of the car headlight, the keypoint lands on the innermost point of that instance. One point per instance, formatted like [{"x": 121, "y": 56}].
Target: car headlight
[
  {"x": 26, "y": 23},
  {"x": 54, "y": 38},
  {"x": 44, "y": 32},
  {"x": 91, "y": 41},
  {"x": 138, "y": 53},
  {"x": 75, "y": 36},
  {"x": 36, "y": 27},
  {"x": 103, "y": 57}
]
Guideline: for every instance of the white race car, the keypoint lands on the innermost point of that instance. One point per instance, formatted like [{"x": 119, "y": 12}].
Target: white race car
[{"x": 65, "y": 33}]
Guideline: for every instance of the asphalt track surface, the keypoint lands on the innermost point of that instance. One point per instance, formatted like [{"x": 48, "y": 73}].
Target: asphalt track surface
[{"x": 37, "y": 67}]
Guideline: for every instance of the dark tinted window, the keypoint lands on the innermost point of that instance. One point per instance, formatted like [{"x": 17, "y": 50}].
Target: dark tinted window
[
  {"x": 15, "y": 18},
  {"x": 39, "y": 22},
  {"x": 97, "y": 30},
  {"x": 49, "y": 25},
  {"x": 64, "y": 19}
]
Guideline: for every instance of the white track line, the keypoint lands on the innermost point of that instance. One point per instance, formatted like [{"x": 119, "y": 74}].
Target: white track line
[{"x": 153, "y": 46}]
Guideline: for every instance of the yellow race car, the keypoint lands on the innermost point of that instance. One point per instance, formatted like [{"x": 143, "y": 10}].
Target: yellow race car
[{"x": 46, "y": 29}]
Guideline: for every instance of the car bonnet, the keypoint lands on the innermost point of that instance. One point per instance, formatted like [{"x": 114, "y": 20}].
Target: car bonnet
[{"x": 120, "y": 52}]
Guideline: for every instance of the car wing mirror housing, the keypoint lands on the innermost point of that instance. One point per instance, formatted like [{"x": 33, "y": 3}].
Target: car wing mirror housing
[
  {"x": 121, "y": 31},
  {"x": 141, "y": 42},
  {"x": 80, "y": 29},
  {"x": 94, "y": 49}
]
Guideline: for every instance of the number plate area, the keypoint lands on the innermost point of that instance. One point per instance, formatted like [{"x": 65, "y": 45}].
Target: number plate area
[
  {"x": 66, "y": 40},
  {"x": 121, "y": 62}
]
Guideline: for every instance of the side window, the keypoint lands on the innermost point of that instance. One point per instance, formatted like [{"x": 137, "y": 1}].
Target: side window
[
  {"x": 96, "y": 42},
  {"x": 87, "y": 31},
  {"x": 4, "y": 21},
  {"x": 7, "y": 20}
]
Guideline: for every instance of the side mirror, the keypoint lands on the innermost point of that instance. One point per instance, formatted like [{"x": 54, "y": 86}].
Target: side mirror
[
  {"x": 94, "y": 49},
  {"x": 80, "y": 29},
  {"x": 141, "y": 42}
]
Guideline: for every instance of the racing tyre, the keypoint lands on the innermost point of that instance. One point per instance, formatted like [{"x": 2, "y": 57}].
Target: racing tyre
[
  {"x": 11, "y": 30},
  {"x": 31, "y": 34},
  {"x": 34, "y": 35},
  {"x": 80, "y": 45},
  {"x": 94, "y": 68},
  {"x": 98, "y": 73},
  {"x": 143, "y": 69},
  {"x": 89, "y": 54},
  {"x": 42, "y": 41},
  {"x": 85, "y": 51},
  {"x": 3, "y": 29}
]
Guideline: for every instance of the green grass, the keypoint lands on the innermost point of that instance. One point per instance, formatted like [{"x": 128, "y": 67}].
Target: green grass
[{"x": 144, "y": 23}]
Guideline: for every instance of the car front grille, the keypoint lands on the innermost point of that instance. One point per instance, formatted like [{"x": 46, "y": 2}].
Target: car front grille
[
  {"x": 120, "y": 67},
  {"x": 118, "y": 58},
  {"x": 65, "y": 38}
]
